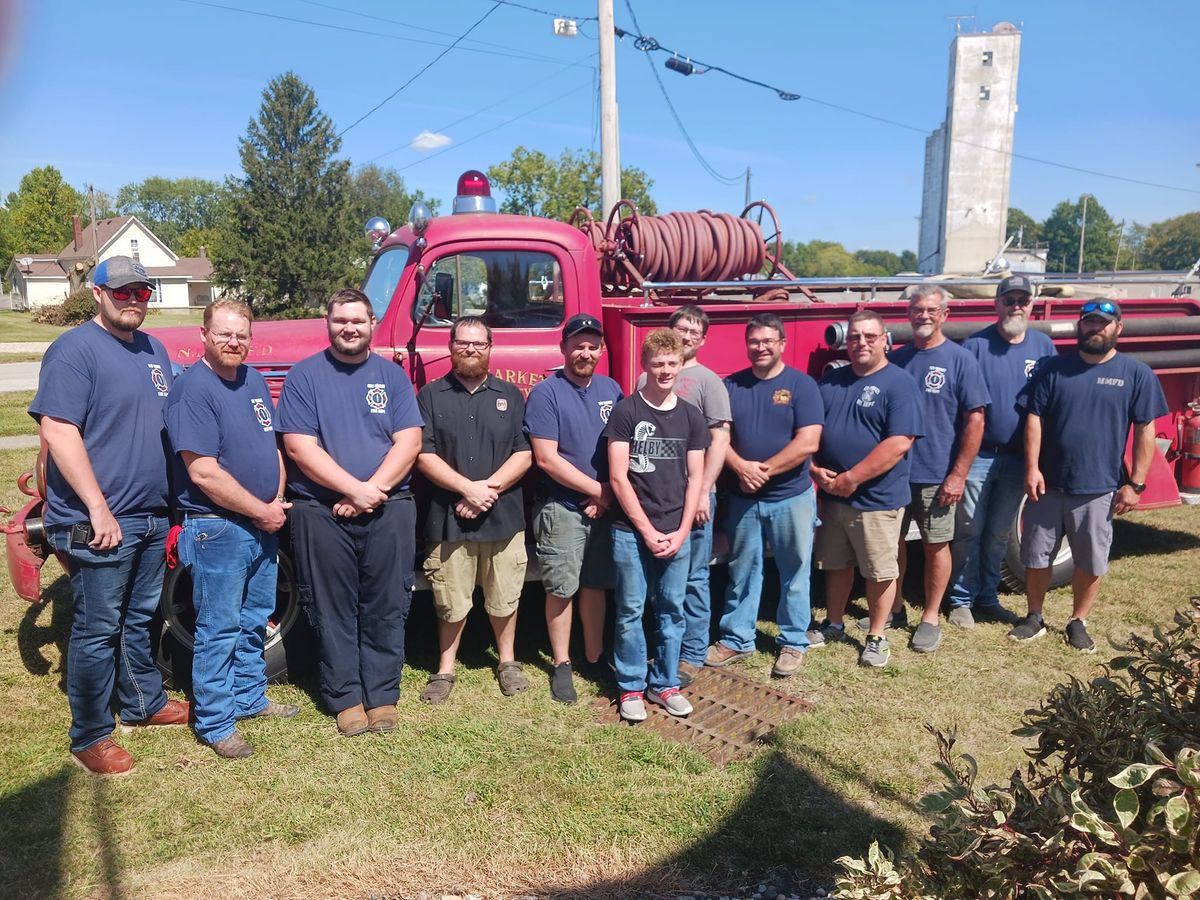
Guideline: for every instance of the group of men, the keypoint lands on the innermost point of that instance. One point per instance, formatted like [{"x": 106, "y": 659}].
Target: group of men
[{"x": 951, "y": 437}]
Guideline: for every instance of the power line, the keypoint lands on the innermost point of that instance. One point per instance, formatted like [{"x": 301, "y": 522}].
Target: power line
[
  {"x": 546, "y": 12},
  {"x": 429, "y": 65}
]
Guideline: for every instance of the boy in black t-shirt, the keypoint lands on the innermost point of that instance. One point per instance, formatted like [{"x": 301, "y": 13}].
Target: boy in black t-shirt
[{"x": 656, "y": 450}]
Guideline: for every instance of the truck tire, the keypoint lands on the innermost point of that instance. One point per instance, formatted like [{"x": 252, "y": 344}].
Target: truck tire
[
  {"x": 1012, "y": 572},
  {"x": 290, "y": 642}
]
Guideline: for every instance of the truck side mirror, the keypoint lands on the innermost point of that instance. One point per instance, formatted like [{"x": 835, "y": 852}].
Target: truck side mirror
[{"x": 443, "y": 294}]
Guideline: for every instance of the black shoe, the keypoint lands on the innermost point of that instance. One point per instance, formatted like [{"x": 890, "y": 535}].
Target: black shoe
[
  {"x": 562, "y": 686},
  {"x": 600, "y": 672},
  {"x": 994, "y": 613},
  {"x": 1078, "y": 637},
  {"x": 1029, "y": 628}
]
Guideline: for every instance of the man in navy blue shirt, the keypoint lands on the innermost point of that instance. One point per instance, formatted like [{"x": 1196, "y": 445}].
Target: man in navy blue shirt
[
  {"x": 352, "y": 431},
  {"x": 99, "y": 408},
  {"x": 565, "y": 418},
  {"x": 228, "y": 478},
  {"x": 777, "y": 415},
  {"x": 1081, "y": 406},
  {"x": 872, "y": 416},
  {"x": 954, "y": 398},
  {"x": 1007, "y": 352}
]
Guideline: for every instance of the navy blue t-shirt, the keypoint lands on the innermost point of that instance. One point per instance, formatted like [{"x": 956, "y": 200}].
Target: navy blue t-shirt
[
  {"x": 115, "y": 392},
  {"x": 230, "y": 421},
  {"x": 1086, "y": 411},
  {"x": 559, "y": 410},
  {"x": 767, "y": 413},
  {"x": 1006, "y": 369},
  {"x": 951, "y": 385},
  {"x": 860, "y": 412},
  {"x": 352, "y": 409}
]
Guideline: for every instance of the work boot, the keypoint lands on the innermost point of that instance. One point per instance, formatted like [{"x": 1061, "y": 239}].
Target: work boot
[
  {"x": 788, "y": 662},
  {"x": 176, "y": 712},
  {"x": 233, "y": 747},
  {"x": 103, "y": 758},
  {"x": 382, "y": 718},
  {"x": 720, "y": 655},
  {"x": 275, "y": 710},
  {"x": 687, "y": 673},
  {"x": 352, "y": 721}
]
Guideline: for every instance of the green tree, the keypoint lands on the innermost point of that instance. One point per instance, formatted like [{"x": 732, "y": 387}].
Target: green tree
[
  {"x": 884, "y": 261},
  {"x": 193, "y": 239},
  {"x": 376, "y": 191},
  {"x": 533, "y": 184},
  {"x": 40, "y": 210},
  {"x": 1173, "y": 243},
  {"x": 171, "y": 206},
  {"x": 1029, "y": 228},
  {"x": 829, "y": 259},
  {"x": 287, "y": 237},
  {"x": 908, "y": 261},
  {"x": 1133, "y": 248},
  {"x": 1061, "y": 232}
]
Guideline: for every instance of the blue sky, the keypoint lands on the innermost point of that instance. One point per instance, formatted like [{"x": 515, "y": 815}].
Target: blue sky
[{"x": 116, "y": 92}]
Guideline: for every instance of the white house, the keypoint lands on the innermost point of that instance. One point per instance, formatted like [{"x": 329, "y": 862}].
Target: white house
[{"x": 179, "y": 282}]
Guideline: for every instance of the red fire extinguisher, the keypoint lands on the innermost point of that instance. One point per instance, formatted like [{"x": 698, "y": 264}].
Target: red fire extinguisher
[{"x": 1190, "y": 450}]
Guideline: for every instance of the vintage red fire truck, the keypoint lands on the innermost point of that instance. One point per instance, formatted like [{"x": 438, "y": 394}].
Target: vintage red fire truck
[{"x": 525, "y": 276}]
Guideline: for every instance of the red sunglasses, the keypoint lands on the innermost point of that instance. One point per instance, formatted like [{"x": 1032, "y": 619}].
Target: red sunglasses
[{"x": 141, "y": 294}]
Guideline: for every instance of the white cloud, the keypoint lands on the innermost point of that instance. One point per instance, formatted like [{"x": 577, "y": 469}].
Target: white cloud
[{"x": 431, "y": 140}]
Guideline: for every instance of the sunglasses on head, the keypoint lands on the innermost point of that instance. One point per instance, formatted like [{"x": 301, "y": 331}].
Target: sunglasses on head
[
  {"x": 1098, "y": 307},
  {"x": 140, "y": 294}
]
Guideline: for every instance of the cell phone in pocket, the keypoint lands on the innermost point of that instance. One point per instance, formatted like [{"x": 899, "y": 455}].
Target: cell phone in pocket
[{"x": 82, "y": 535}]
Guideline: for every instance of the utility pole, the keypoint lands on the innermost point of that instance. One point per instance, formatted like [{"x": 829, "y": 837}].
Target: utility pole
[
  {"x": 95, "y": 243},
  {"x": 748, "y": 200},
  {"x": 610, "y": 140},
  {"x": 1120, "y": 238},
  {"x": 1082, "y": 232}
]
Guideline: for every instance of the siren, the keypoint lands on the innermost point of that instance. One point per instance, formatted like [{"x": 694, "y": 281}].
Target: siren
[{"x": 474, "y": 194}]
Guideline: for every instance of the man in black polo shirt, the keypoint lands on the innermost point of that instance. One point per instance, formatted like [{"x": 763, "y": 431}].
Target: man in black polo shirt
[{"x": 475, "y": 453}]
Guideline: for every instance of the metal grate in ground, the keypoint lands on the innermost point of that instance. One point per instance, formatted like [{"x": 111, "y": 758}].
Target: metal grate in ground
[{"x": 731, "y": 715}]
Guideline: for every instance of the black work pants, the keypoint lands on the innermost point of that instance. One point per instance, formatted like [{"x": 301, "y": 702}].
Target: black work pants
[{"x": 356, "y": 578}]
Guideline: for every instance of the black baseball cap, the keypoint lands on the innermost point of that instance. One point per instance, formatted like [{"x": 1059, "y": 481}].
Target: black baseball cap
[
  {"x": 1102, "y": 309},
  {"x": 580, "y": 323},
  {"x": 1014, "y": 283}
]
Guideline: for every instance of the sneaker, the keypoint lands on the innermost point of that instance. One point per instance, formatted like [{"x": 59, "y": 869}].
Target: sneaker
[
  {"x": 876, "y": 653},
  {"x": 632, "y": 707},
  {"x": 232, "y": 747},
  {"x": 671, "y": 700},
  {"x": 825, "y": 633},
  {"x": 599, "y": 672},
  {"x": 927, "y": 638},
  {"x": 176, "y": 712},
  {"x": 788, "y": 662},
  {"x": 994, "y": 612},
  {"x": 1029, "y": 628},
  {"x": 562, "y": 685},
  {"x": 962, "y": 617},
  {"x": 103, "y": 758},
  {"x": 687, "y": 673},
  {"x": 276, "y": 711},
  {"x": 895, "y": 619},
  {"x": 720, "y": 655},
  {"x": 1078, "y": 637}
]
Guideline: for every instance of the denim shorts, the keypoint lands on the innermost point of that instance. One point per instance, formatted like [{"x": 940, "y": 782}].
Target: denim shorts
[{"x": 573, "y": 551}]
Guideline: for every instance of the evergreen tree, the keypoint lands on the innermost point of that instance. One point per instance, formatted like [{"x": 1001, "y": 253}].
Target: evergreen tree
[{"x": 287, "y": 238}]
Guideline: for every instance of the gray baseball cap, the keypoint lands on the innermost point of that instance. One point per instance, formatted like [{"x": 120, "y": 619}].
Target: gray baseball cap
[
  {"x": 118, "y": 271},
  {"x": 1014, "y": 283}
]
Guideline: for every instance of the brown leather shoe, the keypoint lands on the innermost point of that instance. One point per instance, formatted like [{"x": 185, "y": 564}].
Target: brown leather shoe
[
  {"x": 788, "y": 662},
  {"x": 382, "y": 718},
  {"x": 176, "y": 712},
  {"x": 352, "y": 721},
  {"x": 103, "y": 758},
  {"x": 720, "y": 655},
  {"x": 233, "y": 747},
  {"x": 688, "y": 673}
]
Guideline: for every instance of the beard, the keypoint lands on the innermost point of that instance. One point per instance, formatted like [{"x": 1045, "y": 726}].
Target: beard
[
  {"x": 127, "y": 319},
  {"x": 469, "y": 367},
  {"x": 923, "y": 331},
  {"x": 341, "y": 345},
  {"x": 1013, "y": 326},
  {"x": 1097, "y": 343},
  {"x": 583, "y": 368}
]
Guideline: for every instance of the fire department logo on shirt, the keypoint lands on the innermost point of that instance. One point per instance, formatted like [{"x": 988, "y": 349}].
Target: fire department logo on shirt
[
  {"x": 935, "y": 380},
  {"x": 501, "y": 404},
  {"x": 158, "y": 379},
  {"x": 781, "y": 397},
  {"x": 606, "y": 408},
  {"x": 262, "y": 412},
  {"x": 868, "y": 397},
  {"x": 377, "y": 398}
]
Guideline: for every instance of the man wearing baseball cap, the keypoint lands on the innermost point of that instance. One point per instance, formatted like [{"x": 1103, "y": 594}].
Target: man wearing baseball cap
[
  {"x": 99, "y": 407},
  {"x": 1081, "y": 406},
  {"x": 564, "y": 419}
]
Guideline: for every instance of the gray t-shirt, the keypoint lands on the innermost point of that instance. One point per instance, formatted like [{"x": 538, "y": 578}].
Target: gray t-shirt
[{"x": 703, "y": 388}]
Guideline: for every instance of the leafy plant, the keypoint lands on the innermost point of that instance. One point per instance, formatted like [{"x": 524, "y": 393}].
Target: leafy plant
[{"x": 75, "y": 310}]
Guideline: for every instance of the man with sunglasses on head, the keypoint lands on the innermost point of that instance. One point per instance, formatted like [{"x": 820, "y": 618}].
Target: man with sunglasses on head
[
  {"x": 99, "y": 407},
  {"x": 1007, "y": 351},
  {"x": 1081, "y": 406}
]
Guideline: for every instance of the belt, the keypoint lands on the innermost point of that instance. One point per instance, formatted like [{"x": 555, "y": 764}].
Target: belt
[
  {"x": 192, "y": 515},
  {"x": 997, "y": 449}
]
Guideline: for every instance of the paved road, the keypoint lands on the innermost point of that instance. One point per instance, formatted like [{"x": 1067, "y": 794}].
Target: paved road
[{"x": 19, "y": 376}]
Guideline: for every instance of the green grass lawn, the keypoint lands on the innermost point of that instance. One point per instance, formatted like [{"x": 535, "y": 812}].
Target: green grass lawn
[
  {"x": 14, "y": 416},
  {"x": 18, "y": 326},
  {"x": 500, "y": 796}
]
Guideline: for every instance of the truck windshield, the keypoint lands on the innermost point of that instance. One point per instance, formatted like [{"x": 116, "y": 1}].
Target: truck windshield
[
  {"x": 506, "y": 288},
  {"x": 381, "y": 281}
]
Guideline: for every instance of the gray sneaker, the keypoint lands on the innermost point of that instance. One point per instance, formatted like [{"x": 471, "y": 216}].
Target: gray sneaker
[
  {"x": 896, "y": 619},
  {"x": 1078, "y": 637},
  {"x": 671, "y": 700},
  {"x": 961, "y": 616},
  {"x": 633, "y": 709},
  {"x": 877, "y": 652},
  {"x": 927, "y": 638},
  {"x": 823, "y": 633}
]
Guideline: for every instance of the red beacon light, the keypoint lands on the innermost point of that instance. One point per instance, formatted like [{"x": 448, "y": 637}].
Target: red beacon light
[{"x": 474, "y": 194}]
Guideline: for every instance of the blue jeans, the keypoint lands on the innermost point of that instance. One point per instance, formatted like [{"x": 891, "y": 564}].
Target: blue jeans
[
  {"x": 697, "y": 601},
  {"x": 233, "y": 567},
  {"x": 640, "y": 574},
  {"x": 788, "y": 525},
  {"x": 991, "y": 498},
  {"x": 116, "y": 594}
]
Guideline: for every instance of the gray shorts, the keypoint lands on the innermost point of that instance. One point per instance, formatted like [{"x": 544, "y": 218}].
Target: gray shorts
[
  {"x": 572, "y": 550},
  {"x": 1085, "y": 520},
  {"x": 936, "y": 523}
]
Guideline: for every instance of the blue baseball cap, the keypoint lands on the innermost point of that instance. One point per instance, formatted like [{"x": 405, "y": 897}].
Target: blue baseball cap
[{"x": 119, "y": 271}]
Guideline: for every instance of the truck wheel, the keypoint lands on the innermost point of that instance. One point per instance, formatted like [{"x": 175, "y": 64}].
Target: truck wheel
[
  {"x": 289, "y": 641},
  {"x": 1012, "y": 573}
]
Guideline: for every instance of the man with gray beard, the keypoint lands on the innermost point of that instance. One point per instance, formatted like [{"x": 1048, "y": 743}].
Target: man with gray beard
[{"x": 1007, "y": 353}]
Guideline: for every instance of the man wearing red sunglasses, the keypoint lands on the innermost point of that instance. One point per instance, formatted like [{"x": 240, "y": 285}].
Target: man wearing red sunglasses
[{"x": 99, "y": 408}]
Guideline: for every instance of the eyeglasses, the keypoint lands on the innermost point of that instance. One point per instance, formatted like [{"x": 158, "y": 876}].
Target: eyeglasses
[
  {"x": 471, "y": 345},
  {"x": 122, "y": 294},
  {"x": 228, "y": 337},
  {"x": 691, "y": 332},
  {"x": 863, "y": 338},
  {"x": 1105, "y": 307},
  {"x": 1017, "y": 298},
  {"x": 763, "y": 342}
]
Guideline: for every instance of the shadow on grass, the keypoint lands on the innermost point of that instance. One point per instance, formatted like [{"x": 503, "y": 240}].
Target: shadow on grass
[
  {"x": 1134, "y": 538},
  {"x": 31, "y": 833},
  {"x": 47, "y": 624}
]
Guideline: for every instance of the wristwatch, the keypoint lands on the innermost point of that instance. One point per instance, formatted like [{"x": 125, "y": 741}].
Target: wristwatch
[{"x": 1138, "y": 487}]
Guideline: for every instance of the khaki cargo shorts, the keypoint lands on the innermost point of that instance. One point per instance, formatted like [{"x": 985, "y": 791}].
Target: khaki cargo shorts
[
  {"x": 867, "y": 538},
  {"x": 455, "y": 567}
]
